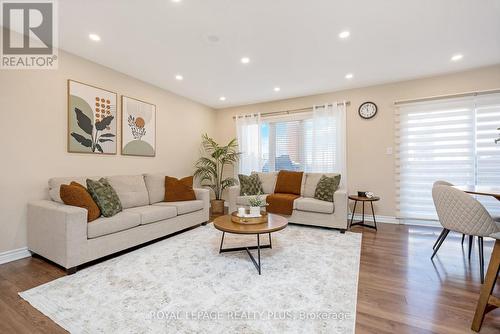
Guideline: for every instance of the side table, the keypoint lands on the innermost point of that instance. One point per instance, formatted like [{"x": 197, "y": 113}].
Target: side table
[{"x": 357, "y": 199}]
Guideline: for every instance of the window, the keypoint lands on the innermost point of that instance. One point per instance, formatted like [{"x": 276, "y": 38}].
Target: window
[
  {"x": 451, "y": 140},
  {"x": 283, "y": 145},
  {"x": 308, "y": 144},
  {"x": 311, "y": 141}
]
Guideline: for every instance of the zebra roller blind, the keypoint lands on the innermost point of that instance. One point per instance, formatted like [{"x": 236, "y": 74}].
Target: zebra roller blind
[{"x": 451, "y": 140}]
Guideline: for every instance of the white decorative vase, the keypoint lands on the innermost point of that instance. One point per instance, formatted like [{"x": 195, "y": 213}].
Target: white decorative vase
[{"x": 255, "y": 210}]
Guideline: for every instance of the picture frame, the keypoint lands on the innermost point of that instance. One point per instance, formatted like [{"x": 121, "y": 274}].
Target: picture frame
[
  {"x": 92, "y": 123},
  {"x": 138, "y": 127}
]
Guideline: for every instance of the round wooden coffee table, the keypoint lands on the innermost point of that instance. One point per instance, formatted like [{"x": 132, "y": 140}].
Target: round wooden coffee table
[{"x": 226, "y": 225}]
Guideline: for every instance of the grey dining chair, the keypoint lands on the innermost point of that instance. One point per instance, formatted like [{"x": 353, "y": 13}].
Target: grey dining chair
[
  {"x": 460, "y": 212},
  {"x": 471, "y": 237}
]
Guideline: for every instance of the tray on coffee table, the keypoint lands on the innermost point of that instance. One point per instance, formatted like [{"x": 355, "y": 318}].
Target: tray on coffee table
[{"x": 249, "y": 220}]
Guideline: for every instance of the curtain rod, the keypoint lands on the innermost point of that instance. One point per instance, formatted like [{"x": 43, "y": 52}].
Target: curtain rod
[
  {"x": 440, "y": 97},
  {"x": 291, "y": 111}
]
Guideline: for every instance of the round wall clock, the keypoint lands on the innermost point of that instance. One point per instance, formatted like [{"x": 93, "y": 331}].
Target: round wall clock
[{"x": 367, "y": 110}]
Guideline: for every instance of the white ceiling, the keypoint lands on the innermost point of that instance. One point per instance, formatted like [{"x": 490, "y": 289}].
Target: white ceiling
[{"x": 292, "y": 44}]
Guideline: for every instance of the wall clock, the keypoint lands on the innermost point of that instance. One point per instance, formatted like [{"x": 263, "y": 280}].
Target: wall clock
[{"x": 367, "y": 110}]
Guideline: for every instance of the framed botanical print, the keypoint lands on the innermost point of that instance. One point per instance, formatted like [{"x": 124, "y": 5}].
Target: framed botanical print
[
  {"x": 92, "y": 122},
  {"x": 138, "y": 127}
]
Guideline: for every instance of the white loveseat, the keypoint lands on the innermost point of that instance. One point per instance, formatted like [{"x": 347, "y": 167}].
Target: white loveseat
[
  {"x": 306, "y": 210},
  {"x": 61, "y": 233}
]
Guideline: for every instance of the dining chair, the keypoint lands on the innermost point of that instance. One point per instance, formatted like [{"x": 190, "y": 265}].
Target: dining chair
[
  {"x": 471, "y": 237},
  {"x": 460, "y": 212}
]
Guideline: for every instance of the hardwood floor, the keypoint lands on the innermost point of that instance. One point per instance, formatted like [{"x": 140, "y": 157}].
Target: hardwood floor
[{"x": 400, "y": 289}]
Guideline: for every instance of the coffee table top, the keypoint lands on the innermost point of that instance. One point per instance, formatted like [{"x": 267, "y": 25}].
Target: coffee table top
[
  {"x": 274, "y": 223},
  {"x": 364, "y": 199}
]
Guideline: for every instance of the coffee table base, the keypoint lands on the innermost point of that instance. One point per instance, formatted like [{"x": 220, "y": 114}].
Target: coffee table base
[{"x": 247, "y": 249}]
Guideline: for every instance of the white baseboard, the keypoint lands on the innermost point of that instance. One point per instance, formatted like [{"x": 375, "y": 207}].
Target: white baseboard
[
  {"x": 14, "y": 255},
  {"x": 380, "y": 219}
]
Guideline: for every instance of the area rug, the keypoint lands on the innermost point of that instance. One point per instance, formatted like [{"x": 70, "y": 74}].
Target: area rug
[{"x": 183, "y": 285}]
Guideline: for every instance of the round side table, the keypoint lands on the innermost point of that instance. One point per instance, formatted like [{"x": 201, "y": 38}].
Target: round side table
[{"x": 357, "y": 199}]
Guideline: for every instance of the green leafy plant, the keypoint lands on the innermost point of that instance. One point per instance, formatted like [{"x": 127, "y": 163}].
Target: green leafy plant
[
  {"x": 210, "y": 167},
  {"x": 257, "y": 200},
  {"x": 95, "y": 140}
]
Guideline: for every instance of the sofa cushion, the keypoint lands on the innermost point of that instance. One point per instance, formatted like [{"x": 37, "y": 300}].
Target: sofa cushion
[
  {"x": 75, "y": 194},
  {"x": 243, "y": 200},
  {"x": 268, "y": 181},
  {"x": 289, "y": 182},
  {"x": 56, "y": 182},
  {"x": 313, "y": 205},
  {"x": 119, "y": 222},
  {"x": 311, "y": 181},
  {"x": 131, "y": 190},
  {"x": 155, "y": 183},
  {"x": 250, "y": 185},
  {"x": 177, "y": 190},
  {"x": 105, "y": 197},
  {"x": 326, "y": 187},
  {"x": 184, "y": 206},
  {"x": 152, "y": 213}
]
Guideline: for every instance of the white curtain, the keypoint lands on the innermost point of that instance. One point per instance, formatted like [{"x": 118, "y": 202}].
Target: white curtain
[
  {"x": 248, "y": 134},
  {"x": 329, "y": 140}
]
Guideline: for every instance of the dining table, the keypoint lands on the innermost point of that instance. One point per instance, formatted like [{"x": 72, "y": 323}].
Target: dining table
[{"x": 481, "y": 190}]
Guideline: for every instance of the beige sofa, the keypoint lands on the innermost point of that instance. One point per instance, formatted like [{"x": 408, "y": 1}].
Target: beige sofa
[
  {"x": 306, "y": 209},
  {"x": 61, "y": 233}
]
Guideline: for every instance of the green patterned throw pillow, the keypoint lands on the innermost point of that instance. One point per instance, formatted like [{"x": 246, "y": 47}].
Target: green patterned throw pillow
[
  {"x": 326, "y": 187},
  {"x": 105, "y": 196},
  {"x": 250, "y": 185}
]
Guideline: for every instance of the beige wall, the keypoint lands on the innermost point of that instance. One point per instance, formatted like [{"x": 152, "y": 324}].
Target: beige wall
[
  {"x": 33, "y": 130},
  {"x": 369, "y": 167}
]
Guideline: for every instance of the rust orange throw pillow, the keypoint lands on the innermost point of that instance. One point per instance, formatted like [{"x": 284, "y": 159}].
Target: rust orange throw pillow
[
  {"x": 179, "y": 190},
  {"x": 77, "y": 195},
  {"x": 288, "y": 182}
]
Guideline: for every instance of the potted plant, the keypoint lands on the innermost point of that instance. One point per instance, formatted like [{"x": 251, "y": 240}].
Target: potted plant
[
  {"x": 256, "y": 203},
  {"x": 210, "y": 168}
]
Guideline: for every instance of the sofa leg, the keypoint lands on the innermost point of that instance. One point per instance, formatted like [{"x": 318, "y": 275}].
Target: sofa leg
[
  {"x": 342, "y": 231},
  {"x": 71, "y": 271}
]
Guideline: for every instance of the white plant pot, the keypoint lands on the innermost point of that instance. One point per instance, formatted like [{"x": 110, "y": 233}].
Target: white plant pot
[{"x": 255, "y": 210}]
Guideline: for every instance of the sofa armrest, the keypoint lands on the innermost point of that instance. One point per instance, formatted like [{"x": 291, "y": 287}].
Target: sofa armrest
[
  {"x": 232, "y": 193},
  {"x": 340, "y": 200},
  {"x": 204, "y": 195},
  {"x": 57, "y": 232}
]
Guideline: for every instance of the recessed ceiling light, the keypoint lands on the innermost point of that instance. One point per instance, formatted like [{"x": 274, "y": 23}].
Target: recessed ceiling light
[
  {"x": 176, "y": 0},
  {"x": 344, "y": 34},
  {"x": 222, "y": 98},
  {"x": 245, "y": 60},
  {"x": 457, "y": 57},
  {"x": 277, "y": 89},
  {"x": 179, "y": 77},
  {"x": 94, "y": 37},
  {"x": 349, "y": 76}
]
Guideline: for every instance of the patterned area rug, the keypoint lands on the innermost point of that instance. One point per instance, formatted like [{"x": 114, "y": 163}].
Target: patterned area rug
[{"x": 183, "y": 285}]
